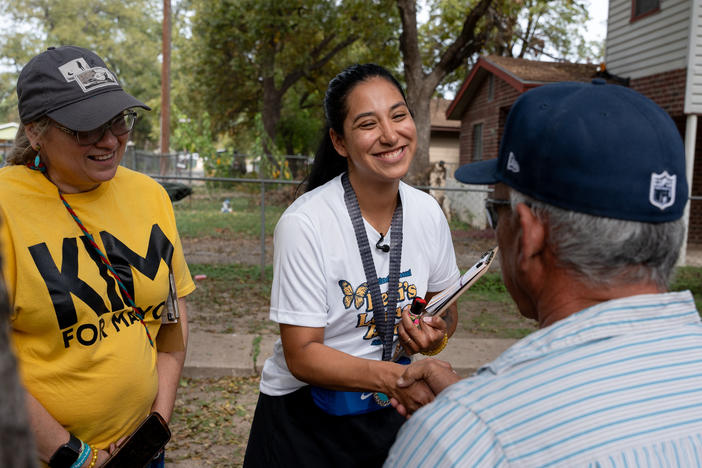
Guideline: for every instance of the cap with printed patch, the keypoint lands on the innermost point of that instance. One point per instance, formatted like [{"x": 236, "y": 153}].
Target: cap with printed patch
[
  {"x": 73, "y": 86},
  {"x": 594, "y": 148}
]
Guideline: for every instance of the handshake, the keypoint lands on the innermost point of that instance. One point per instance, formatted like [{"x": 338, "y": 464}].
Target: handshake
[
  {"x": 420, "y": 382},
  {"x": 413, "y": 386}
]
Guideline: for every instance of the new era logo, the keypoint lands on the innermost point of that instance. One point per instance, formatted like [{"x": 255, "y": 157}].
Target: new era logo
[{"x": 512, "y": 164}]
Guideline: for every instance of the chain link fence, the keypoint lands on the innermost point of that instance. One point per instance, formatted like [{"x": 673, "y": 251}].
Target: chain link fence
[
  {"x": 459, "y": 201},
  {"x": 5, "y": 148}
]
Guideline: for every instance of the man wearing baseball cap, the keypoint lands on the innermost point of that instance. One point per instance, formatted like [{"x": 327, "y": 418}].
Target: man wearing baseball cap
[
  {"x": 589, "y": 192},
  {"x": 92, "y": 262}
]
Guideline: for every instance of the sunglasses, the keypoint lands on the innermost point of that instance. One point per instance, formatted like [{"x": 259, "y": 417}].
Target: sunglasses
[
  {"x": 119, "y": 125},
  {"x": 491, "y": 205}
]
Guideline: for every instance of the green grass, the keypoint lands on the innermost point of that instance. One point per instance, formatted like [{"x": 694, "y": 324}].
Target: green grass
[
  {"x": 457, "y": 225},
  {"x": 240, "y": 276},
  {"x": 201, "y": 216},
  {"x": 689, "y": 278},
  {"x": 491, "y": 288},
  {"x": 488, "y": 288}
]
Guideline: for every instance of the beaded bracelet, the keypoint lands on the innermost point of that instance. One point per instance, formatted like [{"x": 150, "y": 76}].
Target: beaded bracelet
[
  {"x": 95, "y": 455},
  {"x": 439, "y": 348}
]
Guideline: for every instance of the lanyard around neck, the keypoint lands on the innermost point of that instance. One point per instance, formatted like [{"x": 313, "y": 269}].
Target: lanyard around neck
[{"x": 384, "y": 317}]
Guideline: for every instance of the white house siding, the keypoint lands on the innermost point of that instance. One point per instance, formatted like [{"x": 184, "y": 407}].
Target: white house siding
[
  {"x": 444, "y": 148},
  {"x": 693, "y": 90},
  {"x": 654, "y": 44}
]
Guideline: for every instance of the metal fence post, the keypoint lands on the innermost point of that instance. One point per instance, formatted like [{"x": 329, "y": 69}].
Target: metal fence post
[{"x": 263, "y": 230}]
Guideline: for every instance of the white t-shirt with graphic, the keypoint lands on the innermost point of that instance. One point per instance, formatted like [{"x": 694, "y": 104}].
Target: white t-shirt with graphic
[{"x": 318, "y": 276}]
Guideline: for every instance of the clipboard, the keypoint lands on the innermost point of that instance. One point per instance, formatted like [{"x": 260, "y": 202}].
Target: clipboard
[{"x": 443, "y": 300}]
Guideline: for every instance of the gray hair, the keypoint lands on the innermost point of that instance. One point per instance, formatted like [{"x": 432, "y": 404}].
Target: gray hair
[
  {"x": 22, "y": 151},
  {"x": 605, "y": 250}
]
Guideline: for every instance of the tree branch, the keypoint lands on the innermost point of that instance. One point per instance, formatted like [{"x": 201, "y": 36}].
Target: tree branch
[
  {"x": 292, "y": 77},
  {"x": 465, "y": 44}
]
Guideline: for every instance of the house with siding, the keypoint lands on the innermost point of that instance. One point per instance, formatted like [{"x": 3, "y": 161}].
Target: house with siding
[
  {"x": 482, "y": 104},
  {"x": 653, "y": 46},
  {"x": 443, "y": 142},
  {"x": 657, "y": 46}
]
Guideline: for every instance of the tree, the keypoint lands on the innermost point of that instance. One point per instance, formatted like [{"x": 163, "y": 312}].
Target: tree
[
  {"x": 458, "y": 31},
  {"x": 126, "y": 33},
  {"x": 245, "y": 56},
  {"x": 422, "y": 84},
  {"x": 545, "y": 27}
]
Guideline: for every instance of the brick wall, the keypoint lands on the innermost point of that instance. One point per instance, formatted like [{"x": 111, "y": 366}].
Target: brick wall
[
  {"x": 486, "y": 112},
  {"x": 665, "y": 89},
  {"x": 694, "y": 233},
  {"x": 668, "y": 91}
]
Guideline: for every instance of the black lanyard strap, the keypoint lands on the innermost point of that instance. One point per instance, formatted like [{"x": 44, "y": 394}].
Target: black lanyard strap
[{"x": 384, "y": 317}]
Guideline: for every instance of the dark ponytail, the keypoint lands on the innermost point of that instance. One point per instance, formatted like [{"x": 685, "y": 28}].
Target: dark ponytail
[{"x": 327, "y": 162}]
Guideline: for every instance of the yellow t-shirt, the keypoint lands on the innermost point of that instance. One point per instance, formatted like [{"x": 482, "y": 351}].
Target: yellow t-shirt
[{"x": 82, "y": 352}]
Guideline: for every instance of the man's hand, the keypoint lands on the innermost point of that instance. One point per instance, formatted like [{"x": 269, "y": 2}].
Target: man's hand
[
  {"x": 437, "y": 375},
  {"x": 411, "y": 396}
]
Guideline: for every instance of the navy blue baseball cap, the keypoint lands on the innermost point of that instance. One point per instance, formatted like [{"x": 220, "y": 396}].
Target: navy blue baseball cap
[
  {"x": 73, "y": 86},
  {"x": 593, "y": 148}
]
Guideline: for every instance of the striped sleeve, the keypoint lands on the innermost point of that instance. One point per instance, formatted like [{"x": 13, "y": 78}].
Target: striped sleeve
[{"x": 446, "y": 434}]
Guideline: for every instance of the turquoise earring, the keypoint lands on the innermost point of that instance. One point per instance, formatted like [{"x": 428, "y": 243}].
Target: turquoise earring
[{"x": 37, "y": 165}]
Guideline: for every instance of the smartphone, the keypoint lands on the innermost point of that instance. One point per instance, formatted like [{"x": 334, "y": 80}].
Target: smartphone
[{"x": 143, "y": 445}]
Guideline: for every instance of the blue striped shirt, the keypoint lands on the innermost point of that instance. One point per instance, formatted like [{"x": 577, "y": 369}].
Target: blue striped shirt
[{"x": 615, "y": 385}]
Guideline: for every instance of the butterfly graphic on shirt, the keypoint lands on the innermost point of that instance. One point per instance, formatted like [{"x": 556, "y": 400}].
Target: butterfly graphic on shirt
[{"x": 353, "y": 297}]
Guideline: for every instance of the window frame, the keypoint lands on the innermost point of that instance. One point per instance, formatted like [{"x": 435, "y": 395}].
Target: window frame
[
  {"x": 477, "y": 126},
  {"x": 635, "y": 17}
]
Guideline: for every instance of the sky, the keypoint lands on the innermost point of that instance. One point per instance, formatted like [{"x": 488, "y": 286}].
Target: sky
[{"x": 597, "y": 27}]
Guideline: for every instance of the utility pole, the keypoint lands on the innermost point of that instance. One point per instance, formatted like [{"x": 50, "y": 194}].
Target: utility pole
[{"x": 165, "y": 86}]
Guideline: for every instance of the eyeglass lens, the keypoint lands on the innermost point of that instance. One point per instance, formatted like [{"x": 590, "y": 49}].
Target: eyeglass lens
[
  {"x": 119, "y": 126},
  {"x": 491, "y": 211}
]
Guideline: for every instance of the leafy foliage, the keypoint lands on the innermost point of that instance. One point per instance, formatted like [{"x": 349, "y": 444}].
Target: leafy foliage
[
  {"x": 125, "y": 33},
  {"x": 532, "y": 29},
  {"x": 245, "y": 58}
]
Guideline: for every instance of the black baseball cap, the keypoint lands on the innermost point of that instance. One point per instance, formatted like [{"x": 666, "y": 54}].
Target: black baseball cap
[
  {"x": 73, "y": 86},
  {"x": 593, "y": 148}
]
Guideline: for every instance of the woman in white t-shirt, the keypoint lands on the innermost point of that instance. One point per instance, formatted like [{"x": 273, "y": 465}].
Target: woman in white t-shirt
[{"x": 344, "y": 334}]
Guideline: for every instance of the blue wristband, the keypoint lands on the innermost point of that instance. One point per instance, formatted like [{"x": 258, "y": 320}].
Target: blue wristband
[{"x": 84, "y": 454}]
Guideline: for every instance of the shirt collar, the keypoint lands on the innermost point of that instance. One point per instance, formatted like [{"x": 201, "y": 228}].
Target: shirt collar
[{"x": 639, "y": 314}]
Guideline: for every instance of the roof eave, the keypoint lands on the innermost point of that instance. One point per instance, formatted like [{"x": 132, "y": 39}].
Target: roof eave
[{"x": 458, "y": 105}]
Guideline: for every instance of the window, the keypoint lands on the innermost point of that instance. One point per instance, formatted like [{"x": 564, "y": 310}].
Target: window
[
  {"x": 491, "y": 87},
  {"x": 641, "y": 8},
  {"x": 477, "y": 142}
]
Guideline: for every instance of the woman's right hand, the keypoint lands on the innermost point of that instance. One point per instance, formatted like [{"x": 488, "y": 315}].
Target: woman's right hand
[{"x": 412, "y": 396}]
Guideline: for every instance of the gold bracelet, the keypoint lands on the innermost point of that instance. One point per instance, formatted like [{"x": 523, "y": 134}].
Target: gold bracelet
[
  {"x": 95, "y": 455},
  {"x": 439, "y": 348}
]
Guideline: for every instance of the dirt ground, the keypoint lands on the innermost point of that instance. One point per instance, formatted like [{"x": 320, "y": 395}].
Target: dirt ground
[
  {"x": 212, "y": 417},
  {"x": 217, "y": 307}
]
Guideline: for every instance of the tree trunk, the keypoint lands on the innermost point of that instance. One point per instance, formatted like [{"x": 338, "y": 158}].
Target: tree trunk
[
  {"x": 271, "y": 108},
  {"x": 419, "y": 171},
  {"x": 270, "y": 113},
  {"x": 421, "y": 85}
]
